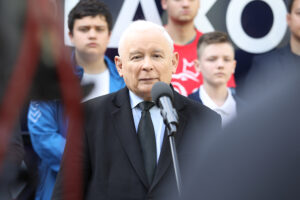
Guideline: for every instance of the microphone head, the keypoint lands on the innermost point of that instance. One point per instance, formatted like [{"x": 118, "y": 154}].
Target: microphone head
[{"x": 160, "y": 89}]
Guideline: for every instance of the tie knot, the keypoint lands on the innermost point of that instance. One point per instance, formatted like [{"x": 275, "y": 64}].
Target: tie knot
[{"x": 145, "y": 105}]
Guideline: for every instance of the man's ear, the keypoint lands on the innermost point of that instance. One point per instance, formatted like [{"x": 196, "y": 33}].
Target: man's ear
[
  {"x": 163, "y": 4},
  {"x": 234, "y": 66},
  {"x": 109, "y": 34},
  {"x": 119, "y": 65},
  {"x": 71, "y": 37},
  {"x": 288, "y": 19},
  {"x": 197, "y": 65},
  {"x": 175, "y": 60}
]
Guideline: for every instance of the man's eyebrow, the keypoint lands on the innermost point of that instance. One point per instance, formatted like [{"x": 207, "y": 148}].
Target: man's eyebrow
[
  {"x": 91, "y": 25},
  {"x": 158, "y": 51},
  {"x": 134, "y": 52}
]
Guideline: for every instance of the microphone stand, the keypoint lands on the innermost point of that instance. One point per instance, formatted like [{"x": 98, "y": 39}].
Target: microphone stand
[
  {"x": 171, "y": 124},
  {"x": 175, "y": 160}
]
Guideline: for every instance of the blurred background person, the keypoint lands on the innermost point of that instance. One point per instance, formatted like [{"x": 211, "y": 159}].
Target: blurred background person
[
  {"x": 257, "y": 155},
  {"x": 90, "y": 25},
  {"x": 273, "y": 66},
  {"x": 180, "y": 25},
  {"x": 217, "y": 64}
]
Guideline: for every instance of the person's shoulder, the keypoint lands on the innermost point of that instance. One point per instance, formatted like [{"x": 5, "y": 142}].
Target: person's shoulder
[
  {"x": 45, "y": 105},
  {"x": 100, "y": 100},
  {"x": 110, "y": 65},
  {"x": 118, "y": 80},
  {"x": 271, "y": 55},
  {"x": 108, "y": 61},
  {"x": 195, "y": 96},
  {"x": 199, "y": 116},
  {"x": 198, "y": 33},
  {"x": 99, "y": 107},
  {"x": 196, "y": 107}
]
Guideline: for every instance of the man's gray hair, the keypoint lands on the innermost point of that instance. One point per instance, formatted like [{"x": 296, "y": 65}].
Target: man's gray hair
[{"x": 141, "y": 25}]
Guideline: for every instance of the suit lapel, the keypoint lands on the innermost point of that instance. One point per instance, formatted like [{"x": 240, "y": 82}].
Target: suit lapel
[
  {"x": 124, "y": 126},
  {"x": 165, "y": 159}
]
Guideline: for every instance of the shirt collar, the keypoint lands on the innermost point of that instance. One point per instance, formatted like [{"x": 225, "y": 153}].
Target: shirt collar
[
  {"x": 228, "y": 106},
  {"x": 135, "y": 100}
]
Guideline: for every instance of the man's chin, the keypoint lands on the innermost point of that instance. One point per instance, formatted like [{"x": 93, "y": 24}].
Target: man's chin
[{"x": 145, "y": 92}]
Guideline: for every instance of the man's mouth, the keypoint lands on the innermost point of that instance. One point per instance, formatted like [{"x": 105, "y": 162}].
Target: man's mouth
[
  {"x": 92, "y": 44},
  {"x": 220, "y": 74},
  {"x": 148, "y": 79}
]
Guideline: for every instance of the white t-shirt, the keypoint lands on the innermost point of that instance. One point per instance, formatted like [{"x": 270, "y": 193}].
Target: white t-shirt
[
  {"x": 101, "y": 84},
  {"x": 227, "y": 110}
]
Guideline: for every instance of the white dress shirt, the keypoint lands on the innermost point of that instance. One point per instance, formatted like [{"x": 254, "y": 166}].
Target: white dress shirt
[
  {"x": 157, "y": 120},
  {"x": 227, "y": 110}
]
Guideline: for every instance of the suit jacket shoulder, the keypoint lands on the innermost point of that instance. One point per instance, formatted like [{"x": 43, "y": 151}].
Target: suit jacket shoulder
[
  {"x": 266, "y": 69},
  {"x": 197, "y": 113}
]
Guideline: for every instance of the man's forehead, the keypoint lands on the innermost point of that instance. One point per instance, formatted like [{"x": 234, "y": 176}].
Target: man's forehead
[
  {"x": 99, "y": 19},
  {"x": 144, "y": 37},
  {"x": 145, "y": 33},
  {"x": 151, "y": 45},
  {"x": 154, "y": 49},
  {"x": 213, "y": 49}
]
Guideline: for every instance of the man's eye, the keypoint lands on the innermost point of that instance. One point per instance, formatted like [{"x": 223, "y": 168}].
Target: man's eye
[
  {"x": 83, "y": 29},
  {"x": 135, "y": 57},
  {"x": 157, "y": 56},
  {"x": 100, "y": 29},
  {"x": 211, "y": 59}
]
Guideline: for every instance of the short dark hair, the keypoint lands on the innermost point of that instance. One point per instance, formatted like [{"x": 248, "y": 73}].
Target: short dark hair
[
  {"x": 290, "y": 5},
  {"x": 89, "y": 8},
  {"x": 215, "y": 37}
]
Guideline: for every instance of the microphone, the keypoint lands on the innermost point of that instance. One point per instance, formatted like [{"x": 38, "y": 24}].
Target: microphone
[{"x": 162, "y": 95}]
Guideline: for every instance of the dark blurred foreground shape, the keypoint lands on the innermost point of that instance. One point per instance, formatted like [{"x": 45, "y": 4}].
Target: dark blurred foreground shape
[
  {"x": 258, "y": 155},
  {"x": 11, "y": 177},
  {"x": 11, "y": 174},
  {"x": 34, "y": 64}
]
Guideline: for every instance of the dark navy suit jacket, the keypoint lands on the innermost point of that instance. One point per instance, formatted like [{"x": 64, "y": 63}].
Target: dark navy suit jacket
[{"x": 112, "y": 158}]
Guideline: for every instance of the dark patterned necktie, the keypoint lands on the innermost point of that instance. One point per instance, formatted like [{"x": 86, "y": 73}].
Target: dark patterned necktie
[{"x": 147, "y": 139}]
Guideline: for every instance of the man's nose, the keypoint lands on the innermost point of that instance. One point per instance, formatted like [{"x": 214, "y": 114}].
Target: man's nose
[
  {"x": 147, "y": 64},
  {"x": 221, "y": 63},
  {"x": 92, "y": 33},
  {"x": 186, "y": 3}
]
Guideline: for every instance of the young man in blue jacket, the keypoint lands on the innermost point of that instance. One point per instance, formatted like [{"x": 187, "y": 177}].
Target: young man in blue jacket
[{"x": 90, "y": 25}]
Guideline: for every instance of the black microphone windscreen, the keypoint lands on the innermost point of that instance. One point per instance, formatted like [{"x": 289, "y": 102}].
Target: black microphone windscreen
[{"x": 161, "y": 89}]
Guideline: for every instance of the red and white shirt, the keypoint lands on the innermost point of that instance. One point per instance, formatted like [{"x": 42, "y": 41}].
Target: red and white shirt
[{"x": 186, "y": 79}]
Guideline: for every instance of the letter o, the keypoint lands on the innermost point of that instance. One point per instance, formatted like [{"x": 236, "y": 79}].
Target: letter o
[{"x": 256, "y": 45}]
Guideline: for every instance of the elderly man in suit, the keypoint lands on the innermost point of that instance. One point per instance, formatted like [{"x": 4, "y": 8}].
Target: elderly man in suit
[{"x": 116, "y": 163}]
